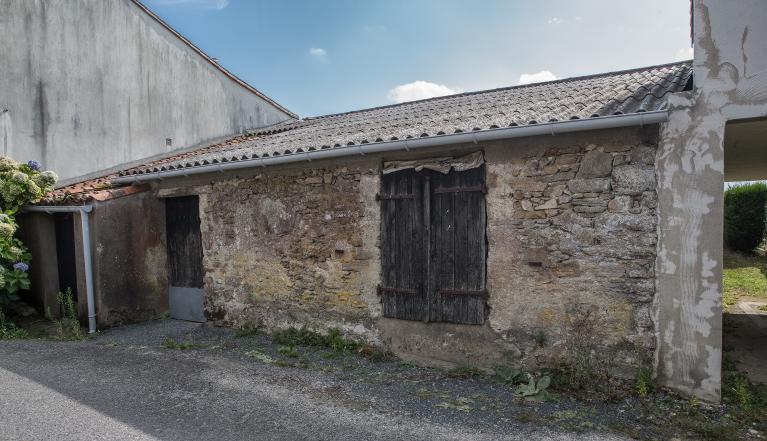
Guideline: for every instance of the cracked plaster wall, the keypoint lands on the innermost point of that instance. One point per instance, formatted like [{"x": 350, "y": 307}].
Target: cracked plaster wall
[{"x": 730, "y": 71}]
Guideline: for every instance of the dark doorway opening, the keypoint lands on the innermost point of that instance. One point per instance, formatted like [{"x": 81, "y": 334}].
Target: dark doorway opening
[
  {"x": 65, "y": 252},
  {"x": 182, "y": 222},
  {"x": 744, "y": 312}
]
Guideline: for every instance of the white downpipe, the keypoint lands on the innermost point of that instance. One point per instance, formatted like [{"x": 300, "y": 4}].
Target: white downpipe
[
  {"x": 550, "y": 128},
  {"x": 84, "y": 211}
]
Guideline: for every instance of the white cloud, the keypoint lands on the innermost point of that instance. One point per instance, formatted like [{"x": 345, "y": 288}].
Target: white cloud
[
  {"x": 555, "y": 21},
  {"x": 206, "y": 4},
  {"x": 318, "y": 52},
  {"x": 418, "y": 90},
  {"x": 686, "y": 53},
  {"x": 537, "y": 77}
]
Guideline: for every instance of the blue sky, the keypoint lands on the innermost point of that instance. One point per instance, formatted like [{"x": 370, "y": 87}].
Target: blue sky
[{"x": 318, "y": 57}]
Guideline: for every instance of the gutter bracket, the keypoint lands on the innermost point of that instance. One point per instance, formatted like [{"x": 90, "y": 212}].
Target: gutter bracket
[{"x": 407, "y": 145}]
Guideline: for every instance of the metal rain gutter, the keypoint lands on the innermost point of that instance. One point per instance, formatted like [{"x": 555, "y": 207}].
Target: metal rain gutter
[
  {"x": 87, "y": 259},
  {"x": 549, "y": 128}
]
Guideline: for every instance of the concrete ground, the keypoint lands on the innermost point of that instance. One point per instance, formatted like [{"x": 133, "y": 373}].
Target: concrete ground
[
  {"x": 125, "y": 384},
  {"x": 745, "y": 337}
]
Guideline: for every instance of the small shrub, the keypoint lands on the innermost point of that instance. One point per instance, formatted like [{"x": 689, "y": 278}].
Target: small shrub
[
  {"x": 534, "y": 386},
  {"x": 540, "y": 339},
  {"x": 9, "y": 331},
  {"x": 644, "y": 383},
  {"x": 744, "y": 216},
  {"x": 581, "y": 368},
  {"x": 584, "y": 367}
]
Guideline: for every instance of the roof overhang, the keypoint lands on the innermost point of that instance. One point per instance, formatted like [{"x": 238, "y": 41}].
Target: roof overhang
[{"x": 549, "y": 128}]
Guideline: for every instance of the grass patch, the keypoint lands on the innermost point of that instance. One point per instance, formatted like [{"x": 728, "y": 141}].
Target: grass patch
[
  {"x": 465, "y": 372},
  {"x": 374, "y": 353},
  {"x": 305, "y": 337},
  {"x": 288, "y": 351},
  {"x": 744, "y": 275},
  {"x": 337, "y": 344},
  {"x": 170, "y": 343},
  {"x": 260, "y": 356},
  {"x": 248, "y": 331}
]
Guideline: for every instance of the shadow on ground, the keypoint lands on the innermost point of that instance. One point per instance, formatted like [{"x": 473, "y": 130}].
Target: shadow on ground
[{"x": 174, "y": 380}]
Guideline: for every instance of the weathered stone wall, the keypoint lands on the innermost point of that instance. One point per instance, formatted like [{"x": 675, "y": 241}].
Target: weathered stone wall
[
  {"x": 571, "y": 229},
  {"x": 572, "y": 235},
  {"x": 293, "y": 248},
  {"x": 129, "y": 260}
]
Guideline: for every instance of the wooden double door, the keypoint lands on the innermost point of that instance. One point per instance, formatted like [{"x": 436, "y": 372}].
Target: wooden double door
[{"x": 433, "y": 246}]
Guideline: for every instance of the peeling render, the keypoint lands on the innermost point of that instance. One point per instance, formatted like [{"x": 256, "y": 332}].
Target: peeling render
[{"x": 690, "y": 169}]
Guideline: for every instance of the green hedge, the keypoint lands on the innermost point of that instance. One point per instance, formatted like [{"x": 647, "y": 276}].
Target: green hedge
[{"x": 744, "y": 216}]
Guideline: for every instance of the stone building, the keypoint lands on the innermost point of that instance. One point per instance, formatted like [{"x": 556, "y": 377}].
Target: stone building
[
  {"x": 457, "y": 229},
  {"x": 489, "y": 227}
]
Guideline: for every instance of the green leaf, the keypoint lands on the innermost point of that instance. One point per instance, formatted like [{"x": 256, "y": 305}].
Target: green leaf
[{"x": 544, "y": 382}]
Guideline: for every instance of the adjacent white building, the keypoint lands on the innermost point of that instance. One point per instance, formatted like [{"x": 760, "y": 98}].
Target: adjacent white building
[{"x": 87, "y": 86}]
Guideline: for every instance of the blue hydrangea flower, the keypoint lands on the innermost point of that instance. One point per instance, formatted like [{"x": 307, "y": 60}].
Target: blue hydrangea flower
[
  {"x": 34, "y": 165},
  {"x": 21, "y": 266}
]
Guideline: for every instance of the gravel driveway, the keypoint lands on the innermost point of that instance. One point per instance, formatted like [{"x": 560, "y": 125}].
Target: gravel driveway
[{"x": 126, "y": 384}]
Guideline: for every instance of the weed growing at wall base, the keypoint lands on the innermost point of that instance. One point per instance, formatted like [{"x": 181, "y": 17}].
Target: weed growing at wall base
[
  {"x": 334, "y": 340},
  {"x": 68, "y": 326}
]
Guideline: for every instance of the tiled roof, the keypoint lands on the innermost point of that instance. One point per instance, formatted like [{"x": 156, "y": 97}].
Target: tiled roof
[
  {"x": 614, "y": 93},
  {"x": 98, "y": 189}
]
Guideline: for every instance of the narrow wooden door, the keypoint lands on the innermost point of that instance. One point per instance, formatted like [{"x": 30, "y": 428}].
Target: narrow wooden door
[
  {"x": 404, "y": 246},
  {"x": 182, "y": 221},
  {"x": 458, "y": 249}
]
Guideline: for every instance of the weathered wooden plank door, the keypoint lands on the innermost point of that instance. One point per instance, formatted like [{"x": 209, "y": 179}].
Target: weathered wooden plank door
[
  {"x": 433, "y": 246},
  {"x": 403, "y": 246},
  {"x": 182, "y": 221},
  {"x": 458, "y": 250}
]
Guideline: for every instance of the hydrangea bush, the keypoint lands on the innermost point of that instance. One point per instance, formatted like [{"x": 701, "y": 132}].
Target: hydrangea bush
[{"x": 20, "y": 185}]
